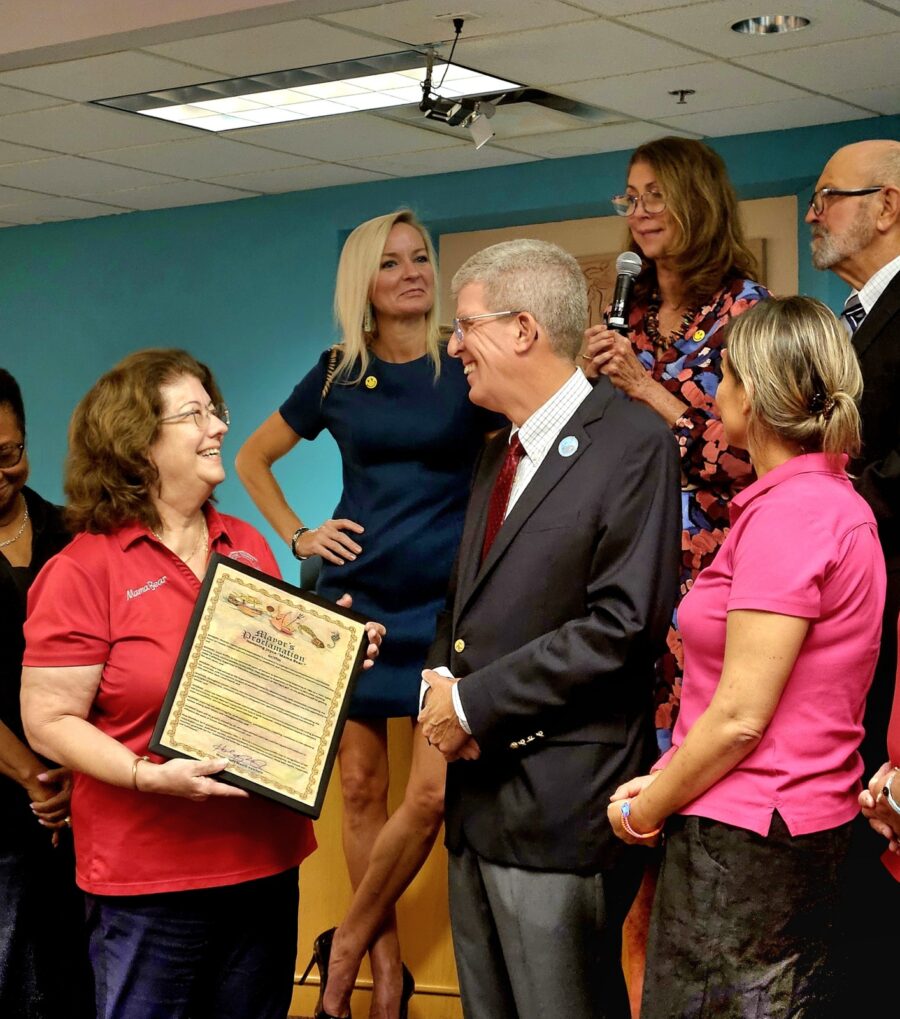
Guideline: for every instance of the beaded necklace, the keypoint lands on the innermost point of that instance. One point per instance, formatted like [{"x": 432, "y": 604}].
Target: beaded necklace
[
  {"x": 19, "y": 533},
  {"x": 659, "y": 341}
]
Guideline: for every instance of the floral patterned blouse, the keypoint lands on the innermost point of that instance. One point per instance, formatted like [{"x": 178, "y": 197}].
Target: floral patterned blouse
[{"x": 711, "y": 470}]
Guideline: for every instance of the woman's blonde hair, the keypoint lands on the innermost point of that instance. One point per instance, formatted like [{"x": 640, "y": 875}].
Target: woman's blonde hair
[
  {"x": 359, "y": 264},
  {"x": 800, "y": 373},
  {"x": 109, "y": 476},
  {"x": 710, "y": 248}
]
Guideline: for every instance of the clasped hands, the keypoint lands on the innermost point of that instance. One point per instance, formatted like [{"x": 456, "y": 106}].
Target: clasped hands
[
  {"x": 440, "y": 723},
  {"x": 609, "y": 353},
  {"x": 878, "y": 811}
]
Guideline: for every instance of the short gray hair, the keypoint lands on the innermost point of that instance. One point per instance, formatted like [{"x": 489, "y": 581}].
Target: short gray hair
[{"x": 537, "y": 277}]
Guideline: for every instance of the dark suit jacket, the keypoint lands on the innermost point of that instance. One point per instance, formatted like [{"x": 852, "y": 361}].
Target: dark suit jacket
[
  {"x": 877, "y": 470},
  {"x": 555, "y": 635}
]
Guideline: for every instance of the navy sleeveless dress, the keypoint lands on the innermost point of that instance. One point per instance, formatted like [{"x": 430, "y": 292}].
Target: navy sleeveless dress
[{"x": 408, "y": 444}]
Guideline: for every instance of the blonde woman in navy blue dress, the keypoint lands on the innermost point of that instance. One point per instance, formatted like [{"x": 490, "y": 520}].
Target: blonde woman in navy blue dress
[{"x": 408, "y": 437}]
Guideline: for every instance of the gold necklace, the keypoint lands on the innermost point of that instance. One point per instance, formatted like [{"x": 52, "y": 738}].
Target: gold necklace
[
  {"x": 202, "y": 542},
  {"x": 19, "y": 533}
]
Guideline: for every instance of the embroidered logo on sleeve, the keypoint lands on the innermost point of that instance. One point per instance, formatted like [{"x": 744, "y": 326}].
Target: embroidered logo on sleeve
[{"x": 151, "y": 585}]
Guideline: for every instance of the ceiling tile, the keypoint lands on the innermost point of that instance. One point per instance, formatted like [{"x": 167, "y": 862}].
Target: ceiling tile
[
  {"x": 80, "y": 129},
  {"x": 278, "y": 47},
  {"x": 767, "y": 117},
  {"x": 198, "y": 157},
  {"x": 587, "y": 50},
  {"x": 302, "y": 178},
  {"x": 346, "y": 138},
  {"x": 883, "y": 100},
  {"x": 14, "y": 100},
  {"x": 417, "y": 21},
  {"x": 613, "y": 8},
  {"x": 418, "y": 164},
  {"x": 168, "y": 196},
  {"x": 72, "y": 175},
  {"x": 716, "y": 86},
  {"x": 868, "y": 63},
  {"x": 19, "y": 153},
  {"x": 708, "y": 25},
  {"x": 115, "y": 74},
  {"x": 606, "y": 138},
  {"x": 51, "y": 209},
  {"x": 11, "y": 196}
]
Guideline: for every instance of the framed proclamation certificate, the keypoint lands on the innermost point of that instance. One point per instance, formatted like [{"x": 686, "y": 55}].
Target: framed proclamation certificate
[{"x": 264, "y": 678}]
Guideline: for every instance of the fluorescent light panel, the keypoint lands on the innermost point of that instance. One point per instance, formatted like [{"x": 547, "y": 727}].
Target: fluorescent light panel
[{"x": 393, "y": 79}]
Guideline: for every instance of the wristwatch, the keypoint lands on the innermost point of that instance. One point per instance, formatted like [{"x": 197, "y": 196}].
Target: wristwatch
[{"x": 294, "y": 538}]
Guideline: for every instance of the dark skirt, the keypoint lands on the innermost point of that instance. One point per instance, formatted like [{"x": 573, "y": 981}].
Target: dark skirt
[{"x": 743, "y": 925}]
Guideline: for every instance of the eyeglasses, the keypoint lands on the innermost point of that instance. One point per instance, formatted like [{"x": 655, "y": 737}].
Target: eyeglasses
[
  {"x": 468, "y": 319},
  {"x": 11, "y": 454},
  {"x": 817, "y": 202},
  {"x": 201, "y": 415},
  {"x": 625, "y": 205}
]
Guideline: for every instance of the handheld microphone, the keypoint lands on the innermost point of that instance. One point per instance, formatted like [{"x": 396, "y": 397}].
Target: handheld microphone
[{"x": 628, "y": 265}]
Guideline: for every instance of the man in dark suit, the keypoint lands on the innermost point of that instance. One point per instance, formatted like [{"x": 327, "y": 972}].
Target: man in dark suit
[
  {"x": 559, "y": 605},
  {"x": 855, "y": 223}
]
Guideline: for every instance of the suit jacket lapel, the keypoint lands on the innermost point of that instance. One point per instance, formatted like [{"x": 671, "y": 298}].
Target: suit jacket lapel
[
  {"x": 553, "y": 468},
  {"x": 872, "y": 325}
]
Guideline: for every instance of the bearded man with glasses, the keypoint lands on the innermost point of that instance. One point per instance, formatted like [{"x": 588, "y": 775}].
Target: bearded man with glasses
[{"x": 854, "y": 216}]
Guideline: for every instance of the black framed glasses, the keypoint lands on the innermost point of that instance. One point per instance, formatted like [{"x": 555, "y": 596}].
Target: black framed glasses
[
  {"x": 625, "y": 205},
  {"x": 200, "y": 415},
  {"x": 11, "y": 454},
  {"x": 817, "y": 202},
  {"x": 458, "y": 323}
]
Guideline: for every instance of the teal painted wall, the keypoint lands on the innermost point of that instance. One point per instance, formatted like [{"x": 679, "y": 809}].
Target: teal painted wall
[{"x": 246, "y": 286}]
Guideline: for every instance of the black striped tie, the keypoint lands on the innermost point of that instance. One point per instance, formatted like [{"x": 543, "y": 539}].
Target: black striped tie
[{"x": 853, "y": 313}]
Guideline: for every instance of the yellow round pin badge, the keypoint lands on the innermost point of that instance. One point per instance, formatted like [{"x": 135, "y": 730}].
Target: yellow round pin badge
[
  {"x": 699, "y": 335},
  {"x": 371, "y": 382}
]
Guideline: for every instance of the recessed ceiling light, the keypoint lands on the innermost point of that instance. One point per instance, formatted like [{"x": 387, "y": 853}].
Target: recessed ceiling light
[
  {"x": 371, "y": 83},
  {"x": 771, "y": 24}
]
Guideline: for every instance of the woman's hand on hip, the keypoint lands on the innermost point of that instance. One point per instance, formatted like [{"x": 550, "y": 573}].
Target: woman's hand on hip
[
  {"x": 609, "y": 353},
  {"x": 331, "y": 542},
  {"x": 190, "y": 779}
]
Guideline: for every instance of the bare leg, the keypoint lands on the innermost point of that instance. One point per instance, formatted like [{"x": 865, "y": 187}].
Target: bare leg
[
  {"x": 363, "y": 758},
  {"x": 634, "y": 938},
  {"x": 399, "y": 851}
]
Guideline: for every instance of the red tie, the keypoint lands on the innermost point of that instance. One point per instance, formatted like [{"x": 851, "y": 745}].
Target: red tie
[{"x": 500, "y": 494}]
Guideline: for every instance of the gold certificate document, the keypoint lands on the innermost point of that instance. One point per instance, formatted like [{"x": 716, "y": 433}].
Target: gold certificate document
[{"x": 264, "y": 678}]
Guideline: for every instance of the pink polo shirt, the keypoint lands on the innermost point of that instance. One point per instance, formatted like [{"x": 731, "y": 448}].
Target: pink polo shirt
[
  {"x": 124, "y": 600},
  {"x": 802, "y": 543}
]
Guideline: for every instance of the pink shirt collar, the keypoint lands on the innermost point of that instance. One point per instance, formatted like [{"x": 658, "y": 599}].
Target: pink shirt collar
[{"x": 806, "y": 463}]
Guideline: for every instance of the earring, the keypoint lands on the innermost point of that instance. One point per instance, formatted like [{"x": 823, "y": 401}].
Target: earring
[{"x": 369, "y": 319}]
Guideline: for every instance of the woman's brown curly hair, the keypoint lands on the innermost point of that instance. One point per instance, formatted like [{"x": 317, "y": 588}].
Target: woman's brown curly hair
[
  {"x": 710, "y": 249},
  {"x": 109, "y": 476}
]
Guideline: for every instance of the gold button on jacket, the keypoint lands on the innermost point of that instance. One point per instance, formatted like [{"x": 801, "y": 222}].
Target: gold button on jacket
[{"x": 459, "y": 645}]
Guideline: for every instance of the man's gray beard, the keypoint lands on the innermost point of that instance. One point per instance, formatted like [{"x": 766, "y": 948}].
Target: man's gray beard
[{"x": 828, "y": 249}]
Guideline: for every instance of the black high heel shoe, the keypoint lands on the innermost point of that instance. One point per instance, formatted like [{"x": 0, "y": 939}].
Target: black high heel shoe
[
  {"x": 321, "y": 956},
  {"x": 407, "y": 991}
]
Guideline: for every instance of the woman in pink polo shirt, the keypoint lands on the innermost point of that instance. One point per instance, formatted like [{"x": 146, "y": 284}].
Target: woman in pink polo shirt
[
  {"x": 191, "y": 884},
  {"x": 781, "y": 634}
]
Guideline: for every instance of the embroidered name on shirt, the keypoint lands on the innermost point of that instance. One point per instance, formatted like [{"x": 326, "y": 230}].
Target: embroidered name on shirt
[
  {"x": 151, "y": 585},
  {"x": 243, "y": 556}
]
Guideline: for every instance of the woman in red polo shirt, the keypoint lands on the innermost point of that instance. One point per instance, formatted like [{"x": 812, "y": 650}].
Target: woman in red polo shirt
[{"x": 192, "y": 884}]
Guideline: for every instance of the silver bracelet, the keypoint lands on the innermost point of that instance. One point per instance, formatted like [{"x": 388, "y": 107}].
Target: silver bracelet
[{"x": 886, "y": 792}]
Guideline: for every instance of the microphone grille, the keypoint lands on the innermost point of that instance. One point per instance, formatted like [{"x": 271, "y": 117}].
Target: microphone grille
[{"x": 628, "y": 263}]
